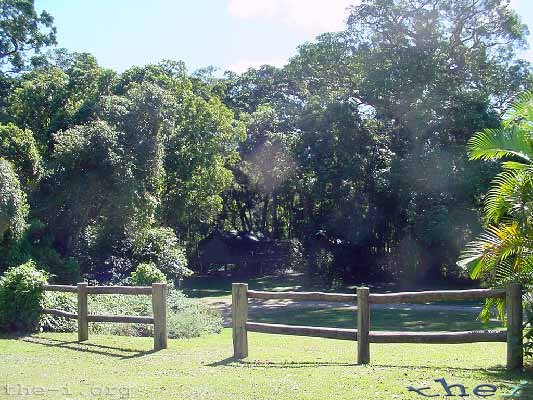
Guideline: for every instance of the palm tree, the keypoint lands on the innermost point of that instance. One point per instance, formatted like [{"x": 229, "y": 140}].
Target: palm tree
[{"x": 504, "y": 252}]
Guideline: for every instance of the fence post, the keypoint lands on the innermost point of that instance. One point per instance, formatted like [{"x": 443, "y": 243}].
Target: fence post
[
  {"x": 83, "y": 323},
  {"x": 513, "y": 300},
  {"x": 363, "y": 326},
  {"x": 239, "y": 317},
  {"x": 159, "y": 309}
]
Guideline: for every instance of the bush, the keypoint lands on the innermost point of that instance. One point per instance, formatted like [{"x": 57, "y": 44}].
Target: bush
[
  {"x": 186, "y": 318},
  {"x": 160, "y": 246},
  {"x": 322, "y": 264},
  {"x": 146, "y": 274},
  {"x": 295, "y": 256},
  {"x": 21, "y": 298},
  {"x": 38, "y": 244}
]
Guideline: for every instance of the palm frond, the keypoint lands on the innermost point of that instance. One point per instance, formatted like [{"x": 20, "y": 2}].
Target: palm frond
[
  {"x": 510, "y": 191},
  {"x": 504, "y": 252},
  {"x": 521, "y": 109},
  {"x": 494, "y": 144},
  {"x": 500, "y": 251},
  {"x": 516, "y": 166}
]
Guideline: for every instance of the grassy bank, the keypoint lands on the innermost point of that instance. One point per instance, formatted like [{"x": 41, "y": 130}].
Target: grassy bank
[{"x": 279, "y": 367}]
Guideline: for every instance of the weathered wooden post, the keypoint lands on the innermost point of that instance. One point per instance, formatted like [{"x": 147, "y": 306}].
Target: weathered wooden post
[
  {"x": 159, "y": 309},
  {"x": 83, "y": 323},
  {"x": 363, "y": 326},
  {"x": 239, "y": 317},
  {"x": 513, "y": 300}
]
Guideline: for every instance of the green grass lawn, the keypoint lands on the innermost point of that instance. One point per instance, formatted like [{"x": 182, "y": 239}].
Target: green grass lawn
[
  {"x": 279, "y": 367},
  {"x": 210, "y": 286},
  {"x": 380, "y": 320},
  {"x": 55, "y": 366},
  {"x": 220, "y": 287}
]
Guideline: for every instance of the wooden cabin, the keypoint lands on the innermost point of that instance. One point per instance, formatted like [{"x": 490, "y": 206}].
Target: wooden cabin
[{"x": 248, "y": 252}]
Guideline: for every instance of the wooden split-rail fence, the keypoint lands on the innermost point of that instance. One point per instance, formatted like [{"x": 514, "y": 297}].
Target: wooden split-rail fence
[
  {"x": 364, "y": 336},
  {"x": 158, "y": 291}
]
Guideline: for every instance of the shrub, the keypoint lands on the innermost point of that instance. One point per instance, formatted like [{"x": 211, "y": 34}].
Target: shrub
[
  {"x": 322, "y": 264},
  {"x": 21, "y": 297},
  {"x": 160, "y": 246},
  {"x": 295, "y": 256},
  {"x": 61, "y": 301},
  {"x": 186, "y": 318},
  {"x": 37, "y": 244},
  {"x": 146, "y": 274}
]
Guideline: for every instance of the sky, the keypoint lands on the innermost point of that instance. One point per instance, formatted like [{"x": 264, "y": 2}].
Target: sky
[{"x": 228, "y": 34}]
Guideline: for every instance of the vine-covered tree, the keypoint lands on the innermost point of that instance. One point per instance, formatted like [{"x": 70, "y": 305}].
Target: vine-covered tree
[
  {"x": 13, "y": 204},
  {"x": 354, "y": 152}
]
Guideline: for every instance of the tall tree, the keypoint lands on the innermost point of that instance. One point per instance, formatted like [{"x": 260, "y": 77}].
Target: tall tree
[{"x": 22, "y": 31}]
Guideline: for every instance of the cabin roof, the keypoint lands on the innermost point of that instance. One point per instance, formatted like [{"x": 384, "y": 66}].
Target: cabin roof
[{"x": 236, "y": 238}]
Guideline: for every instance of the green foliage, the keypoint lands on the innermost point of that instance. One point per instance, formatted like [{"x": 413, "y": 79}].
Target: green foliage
[
  {"x": 37, "y": 244},
  {"x": 38, "y": 100},
  {"x": 61, "y": 93},
  {"x": 322, "y": 263},
  {"x": 376, "y": 119},
  {"x": 13, "y": 203},
  {"x": 147, "y": 273},
  {"x": 21, "y": 298},
  {"x": 295, "y": 257},
  {"x": 19, "y": 147},
  {"x": 186, "y": 318},
  {"x": 361, "y": 135},
  {"x": 22, "y": 30},
  {"x": 159, "y": 246},
  {"x": 504, "y": 251}
]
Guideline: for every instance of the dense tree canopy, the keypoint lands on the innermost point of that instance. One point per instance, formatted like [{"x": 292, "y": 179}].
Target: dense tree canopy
[
  {"x": 359, "y": 141},
  {"x": 22, "y": 30}
]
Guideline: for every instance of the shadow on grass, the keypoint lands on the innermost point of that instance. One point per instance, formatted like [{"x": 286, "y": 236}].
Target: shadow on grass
[
  {"x": 492, "y": 371},
  {"x": 231, "y": 362},
  {"x": 85, "y": 347},
  {"x": 217, "y": 286},
  {"x": 235, "y": 363},
  {"x": 499, "y": 373},
  {"x": 406, "y": 319}
]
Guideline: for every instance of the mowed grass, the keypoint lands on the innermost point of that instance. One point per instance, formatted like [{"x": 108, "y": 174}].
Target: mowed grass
[
  {"x": 219, "y": 287},
  {"x": 279, "y": 367},
  {"x": 406, "y": 319}
]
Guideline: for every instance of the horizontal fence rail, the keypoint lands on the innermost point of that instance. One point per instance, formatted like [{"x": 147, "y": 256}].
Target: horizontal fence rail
[
  {"x": 158, "y": 291},
  {"x": 60, "y": 288},
  {"x": 302, "y": 296},
  {"x": 123, "y": 319},
  {"x": 331, "y": 333},
  {"x": 364, "y": 336},
  {"x": 128, "y": 290},
  {"x": 433, "y": 296},
  {"x": 438, "y": 337},
  {"x": 59, "y": 313}
]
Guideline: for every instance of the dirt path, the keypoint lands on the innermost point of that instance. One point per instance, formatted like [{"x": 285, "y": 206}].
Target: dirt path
[{"x": 256, "y": 306}]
